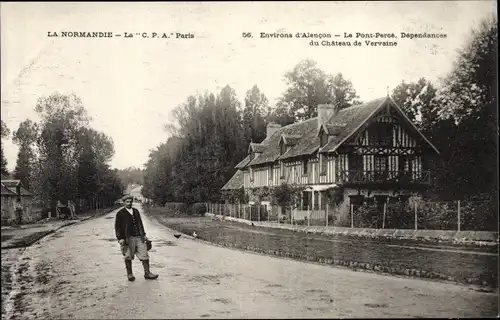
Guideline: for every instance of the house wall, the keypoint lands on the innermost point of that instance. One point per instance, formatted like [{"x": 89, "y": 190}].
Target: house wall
[
  {"x": 8, "y": 209},
  {"x": 270, "y": 175},
  {"x": 400, "y": 138}
]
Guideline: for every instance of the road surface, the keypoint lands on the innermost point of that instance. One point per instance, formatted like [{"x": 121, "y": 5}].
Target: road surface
[{"x": 78, "y": 272}]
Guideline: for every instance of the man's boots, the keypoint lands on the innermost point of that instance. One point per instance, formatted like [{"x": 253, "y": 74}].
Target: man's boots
[
  {"x": 128, "y": 265},
  {"x": 148, "y": 274}
]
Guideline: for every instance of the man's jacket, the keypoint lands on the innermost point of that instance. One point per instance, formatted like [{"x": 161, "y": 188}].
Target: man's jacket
[{"x": 123, "y": 223}]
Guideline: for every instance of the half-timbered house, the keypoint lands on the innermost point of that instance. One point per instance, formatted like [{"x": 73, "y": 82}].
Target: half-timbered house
[{"x": 366, "y": 151}]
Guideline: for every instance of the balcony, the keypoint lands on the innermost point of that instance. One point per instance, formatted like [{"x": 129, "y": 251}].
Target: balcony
[{"x": 383, "y": 177}]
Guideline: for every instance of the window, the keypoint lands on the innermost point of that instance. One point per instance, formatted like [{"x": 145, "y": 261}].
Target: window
[
  {"x": 323, "y": 163},
  {"x": 305, "y": 200},
  {"x": 271, "y": 172},
  {"x": 405, "y": 167},
  {"x": 381, "y": 134},
  {"x": 251, "y": 174},
  {"x": 305, "y": 166},
  {"x": 355, "y": 162},
  {"x": 380, "y": 167},
  {"x": 282, "y": 167}
]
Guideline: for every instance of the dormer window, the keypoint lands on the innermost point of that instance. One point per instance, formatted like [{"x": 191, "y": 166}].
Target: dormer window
[
  {"x": 254, "y": 150},
  {"x": 287, "y": 142},
  {"x": 323, "y": 139},
  {"x": 328, "y": 132}
]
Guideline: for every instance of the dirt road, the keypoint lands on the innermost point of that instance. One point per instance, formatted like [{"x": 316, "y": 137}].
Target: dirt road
[{"x": 78, "y": 272}]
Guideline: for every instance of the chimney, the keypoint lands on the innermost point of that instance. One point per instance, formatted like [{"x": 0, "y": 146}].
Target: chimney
[
  {"x": 271, "y": 128},
  {"x": 325, "y": 112}
]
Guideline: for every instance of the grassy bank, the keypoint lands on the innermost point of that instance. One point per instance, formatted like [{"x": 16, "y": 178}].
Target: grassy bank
[{"x": 361, "y": 254}]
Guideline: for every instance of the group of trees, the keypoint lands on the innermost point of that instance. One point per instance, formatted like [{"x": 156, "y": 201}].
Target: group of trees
[
  {"x": 458, "y": 115},
  {"x": 5, "y": 132},
  {"x": 62, "y": 158},
  {"x": 131, "y": 175},
  {"x": 212, "y": 132}
]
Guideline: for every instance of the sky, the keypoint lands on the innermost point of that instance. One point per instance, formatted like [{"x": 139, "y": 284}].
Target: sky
[{"x": 129, "y": 86}]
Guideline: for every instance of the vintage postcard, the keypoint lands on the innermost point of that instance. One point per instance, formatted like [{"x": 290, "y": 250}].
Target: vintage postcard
[{"x": 333, "y": 159}]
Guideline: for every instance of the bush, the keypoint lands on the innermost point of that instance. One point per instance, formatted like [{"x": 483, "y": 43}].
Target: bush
[
  {"x": 301, "y": 222},
  {"x": 367, "y": 217},
  {"x": 399, "y": 216},
  {"x": 254, "y": 213},
  {"x": 478, "y": 215},
  {"x": 198, "y": 208},
  {"x": 436, "y": 215},
  {"x": 332, "y": 219},
  {"x": 176, "y": 206}
]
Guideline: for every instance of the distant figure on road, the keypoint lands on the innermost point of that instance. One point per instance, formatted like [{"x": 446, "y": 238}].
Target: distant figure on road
[{"x": 132, "y": 238}]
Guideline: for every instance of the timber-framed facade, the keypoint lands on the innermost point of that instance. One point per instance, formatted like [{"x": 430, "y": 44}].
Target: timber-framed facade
[{"x": 365, "y": 150}]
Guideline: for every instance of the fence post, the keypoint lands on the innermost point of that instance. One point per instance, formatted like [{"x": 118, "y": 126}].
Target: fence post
[
  {"x": 383, "y": 218},
  {"x": 458, "y": 213},
  {"x": 352, "y": 215},
  {"x": 416, "y": 220},
  {"x": 258, "y": 212},
  {"x": 326, "y": 214},
  {"x": 309, "y": 216}
]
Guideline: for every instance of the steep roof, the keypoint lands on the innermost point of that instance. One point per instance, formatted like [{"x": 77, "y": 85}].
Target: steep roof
[
  {"x": 11, "y": 182},
  {"x": 235, "y": 182},
  {"x": 351, "y": 118},
  {"x": 6, "y": 192},
  {"x": 243, "y": 162},
  {"x": 332, "y": 129},
  {"x": 303, "y": 136},
  {"x": 11, "y": 185},
  {"x": 272, "y": 151},
  {"x": 257, "y": 147},
  {"x": 356, "y": 116},
  {"x": 289, "y": 139}
]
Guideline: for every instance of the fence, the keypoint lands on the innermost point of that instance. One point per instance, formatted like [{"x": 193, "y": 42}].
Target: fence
[
  {"x": 460, "y": 215},
  {"x": 276, "y": 214}
]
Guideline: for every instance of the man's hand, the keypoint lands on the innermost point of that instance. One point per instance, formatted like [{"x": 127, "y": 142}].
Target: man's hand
[{"x": 121, "y": 242}]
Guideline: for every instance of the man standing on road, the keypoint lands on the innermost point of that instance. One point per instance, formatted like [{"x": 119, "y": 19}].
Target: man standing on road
[{"x": 132, "y": 238}]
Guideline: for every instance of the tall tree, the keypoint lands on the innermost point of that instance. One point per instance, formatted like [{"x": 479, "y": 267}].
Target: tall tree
[
  {"x": 25, "y": 137},
  {"x": 199, "y": 159},
  {"x": 417, "y": 101},
  {"x": 466, "y": 125},
  {"x": 5, "y": 132},
  {"x": 309, "y": 86},
  {"x": 62, "y": 117},
  {"x": 254, "y": 113}
]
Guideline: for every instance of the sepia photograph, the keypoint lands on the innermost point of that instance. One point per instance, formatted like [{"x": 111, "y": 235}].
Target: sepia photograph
[{"x": 245, "y": 160}]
